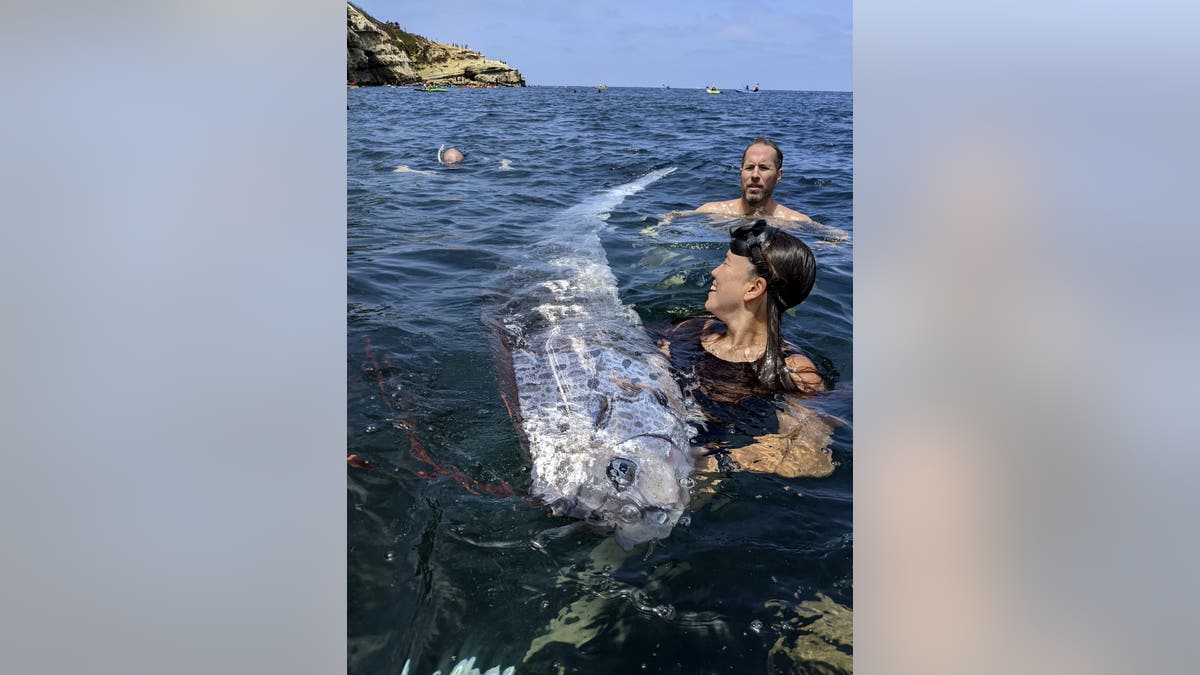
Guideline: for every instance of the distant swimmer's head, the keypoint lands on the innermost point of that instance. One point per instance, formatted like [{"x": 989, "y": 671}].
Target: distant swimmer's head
[{"x": 449, "y": 155}]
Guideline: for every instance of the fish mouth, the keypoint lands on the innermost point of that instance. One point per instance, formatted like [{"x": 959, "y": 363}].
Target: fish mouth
[{"x": 636, "y": 525}]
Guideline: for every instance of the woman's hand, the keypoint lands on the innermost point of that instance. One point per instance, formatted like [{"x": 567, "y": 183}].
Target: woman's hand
[
  {"x": 785, "y": 456},
  {"x": 799, "y": 450}
]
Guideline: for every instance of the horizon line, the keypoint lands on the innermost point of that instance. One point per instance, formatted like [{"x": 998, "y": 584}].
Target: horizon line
[{"x": 661, "y": 86}]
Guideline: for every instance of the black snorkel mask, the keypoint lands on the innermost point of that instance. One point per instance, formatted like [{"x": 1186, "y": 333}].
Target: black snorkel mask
[
  {"x": 747, "y": 240},
  {"x": 744, "y": 238}
]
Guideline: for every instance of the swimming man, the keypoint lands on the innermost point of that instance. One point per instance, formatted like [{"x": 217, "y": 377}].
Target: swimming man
[{"x": 762, "y": 167}]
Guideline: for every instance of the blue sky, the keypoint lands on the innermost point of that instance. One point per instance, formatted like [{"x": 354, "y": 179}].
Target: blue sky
[{"x": 780, "y": 44}]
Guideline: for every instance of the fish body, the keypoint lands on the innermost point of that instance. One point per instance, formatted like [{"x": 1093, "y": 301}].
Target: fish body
[{"x": 603, "y": 422}]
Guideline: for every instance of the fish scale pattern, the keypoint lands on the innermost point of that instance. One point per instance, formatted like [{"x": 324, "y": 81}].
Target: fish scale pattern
[{"x": 605, "y": 425}]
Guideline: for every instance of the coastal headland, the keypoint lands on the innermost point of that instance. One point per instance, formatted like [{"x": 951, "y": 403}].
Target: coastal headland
[{"x": 381, "y": 53}]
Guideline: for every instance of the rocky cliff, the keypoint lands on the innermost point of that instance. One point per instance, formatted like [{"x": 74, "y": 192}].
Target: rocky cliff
[{"x": 381, "y": 53}]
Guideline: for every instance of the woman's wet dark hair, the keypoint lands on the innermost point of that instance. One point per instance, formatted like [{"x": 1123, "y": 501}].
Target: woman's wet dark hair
[{"x": 789, "y": 268}]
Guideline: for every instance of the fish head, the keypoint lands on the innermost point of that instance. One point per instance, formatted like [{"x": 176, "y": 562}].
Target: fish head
[{"x": 646, "y": 478}]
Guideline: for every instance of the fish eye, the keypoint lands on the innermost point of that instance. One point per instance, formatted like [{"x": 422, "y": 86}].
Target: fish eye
[{"x": 621, "y": 472}]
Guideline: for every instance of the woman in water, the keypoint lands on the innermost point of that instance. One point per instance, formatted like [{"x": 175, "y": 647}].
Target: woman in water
[{"x": 735, "y": 362}]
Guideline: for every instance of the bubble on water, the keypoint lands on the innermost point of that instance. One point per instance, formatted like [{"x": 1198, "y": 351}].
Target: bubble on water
[
  {"x": 628, "y": 513},
  {"x": 687, "y": 482},
  {"x": 685, "y": 520},
  {"x": 390, "y": 556},
  {"x": 756, "y": 626},
  {"x": 370, "y": 429},
  {"x": 664, "y": 612}
]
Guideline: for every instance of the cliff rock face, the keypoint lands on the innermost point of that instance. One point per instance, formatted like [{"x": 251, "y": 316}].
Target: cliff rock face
[
  {"x": 381, "y": 53},
  {"x": 372, "y": 56}
]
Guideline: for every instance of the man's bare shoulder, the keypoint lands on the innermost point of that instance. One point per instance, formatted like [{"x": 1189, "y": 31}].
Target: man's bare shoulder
[
  {"x": 717, "y": 207},
  {"x": 784, "y": 213}
]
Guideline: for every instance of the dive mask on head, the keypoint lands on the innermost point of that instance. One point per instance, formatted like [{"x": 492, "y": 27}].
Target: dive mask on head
[{"x": 745, "y": 237}]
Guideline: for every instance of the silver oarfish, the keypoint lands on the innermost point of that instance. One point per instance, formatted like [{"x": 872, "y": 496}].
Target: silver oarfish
[
  {"x": 467, "y": 667},
  {"x": 604, "y": 424}
]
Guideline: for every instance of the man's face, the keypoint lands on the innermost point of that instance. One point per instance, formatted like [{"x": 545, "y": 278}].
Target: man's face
[{"x": 759, "y": 174}]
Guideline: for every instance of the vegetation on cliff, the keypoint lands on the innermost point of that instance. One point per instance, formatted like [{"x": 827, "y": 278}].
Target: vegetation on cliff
[{"x": 381, "y": 52}]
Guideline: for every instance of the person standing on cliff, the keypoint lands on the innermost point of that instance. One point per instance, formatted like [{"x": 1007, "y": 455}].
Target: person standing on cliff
[{"x": 762, "y": 167}]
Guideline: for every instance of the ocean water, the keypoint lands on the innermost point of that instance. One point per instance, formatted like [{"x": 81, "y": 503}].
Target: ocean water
[{"x": 443, "y": 562}]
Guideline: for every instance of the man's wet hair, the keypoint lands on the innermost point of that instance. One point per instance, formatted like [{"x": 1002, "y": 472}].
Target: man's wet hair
[{"x": 762, "y": 140}]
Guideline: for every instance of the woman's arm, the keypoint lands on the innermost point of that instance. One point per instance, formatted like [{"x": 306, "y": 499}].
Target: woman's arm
[
  {"x": 800, "y": 449},
  {"x": 804, "y": 373}
]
